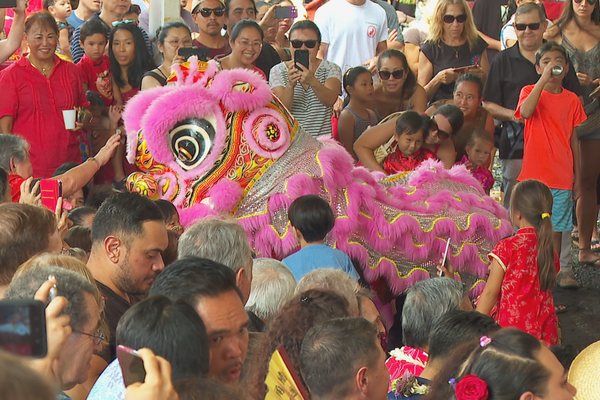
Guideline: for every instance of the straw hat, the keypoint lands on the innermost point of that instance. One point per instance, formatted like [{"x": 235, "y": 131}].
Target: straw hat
[{"x": 584, "y": 373}]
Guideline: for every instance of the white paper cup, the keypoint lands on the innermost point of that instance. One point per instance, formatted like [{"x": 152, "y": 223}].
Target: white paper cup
[{"x": 69, "y": 117}]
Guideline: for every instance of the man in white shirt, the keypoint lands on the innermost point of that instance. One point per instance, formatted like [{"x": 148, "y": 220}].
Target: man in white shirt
[{"x": 353, "y": 32}]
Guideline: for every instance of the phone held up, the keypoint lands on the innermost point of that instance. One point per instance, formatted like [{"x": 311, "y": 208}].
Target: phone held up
[
  {"x": 23, "y": 328},
  {"x": 301, "y": 57},
  {"x": 202, "y": 53},
  {"x": 286, "y": 12},
  {"x": 131, "y": 365}
]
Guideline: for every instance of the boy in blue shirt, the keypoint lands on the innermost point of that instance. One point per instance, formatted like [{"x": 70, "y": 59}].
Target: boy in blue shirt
[{"x": 311, "y": 219}]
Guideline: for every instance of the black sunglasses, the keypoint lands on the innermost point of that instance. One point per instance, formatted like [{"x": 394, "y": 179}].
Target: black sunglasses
[
  {"x": 590, "y": 2},
  {"x": 205, "y": 12},
  {"x": 397, "y": 74},
  {"x": 310, "y": 44},
  {"x": 533, "y": 27},
  {"x": 450, "y": 18}
]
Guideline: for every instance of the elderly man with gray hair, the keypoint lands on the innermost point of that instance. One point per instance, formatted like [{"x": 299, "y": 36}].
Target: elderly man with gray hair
[
  {"x": 273, "y": 285},
  {"x": 426, "y": 301},
  {"x": 335, "y": 280},
  {"x": 74, "y": 360},
  {"x": 223, "y": 241}
]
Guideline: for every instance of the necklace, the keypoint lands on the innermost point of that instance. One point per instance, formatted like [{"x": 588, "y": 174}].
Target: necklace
[
  {"x": 42, "y": 70},
  {"x": 456, "y": 49}
]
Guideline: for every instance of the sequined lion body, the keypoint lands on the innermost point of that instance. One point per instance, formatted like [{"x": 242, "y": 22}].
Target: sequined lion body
[{"x": 219, "y": 143}]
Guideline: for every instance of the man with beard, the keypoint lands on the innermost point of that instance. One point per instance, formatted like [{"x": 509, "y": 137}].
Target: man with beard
[
  {"x": 209, "y": 15},
  {"x": 128, "y": 238}
]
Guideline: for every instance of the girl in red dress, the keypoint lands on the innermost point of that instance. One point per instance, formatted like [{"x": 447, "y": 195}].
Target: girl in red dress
[{"x": 524, "y": 267}]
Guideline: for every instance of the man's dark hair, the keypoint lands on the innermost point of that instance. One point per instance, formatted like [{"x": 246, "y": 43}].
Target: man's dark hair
[
  {"x": 312, "y": 216},
  {"x": 4, "y": 185},
  {"x": 192, "y": 278},
  {"x": 92, "y": 27},
  {"x": 78, "y": 214},
  {"x": 333, "y": 351},
  {"x": 171, "y": 329},
  {"x": 79, "y": 237},
  {"x": 228, "y": 2},
  {"x": 124, "y": 214},
  {"x": 25, "y": 231},
  {"x": 455, "y": 328},
  {"x": 98, "y": 195},
  {"x": 69, "y": 284}
]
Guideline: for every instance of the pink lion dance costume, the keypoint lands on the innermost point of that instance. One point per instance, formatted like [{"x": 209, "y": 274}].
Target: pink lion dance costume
[{"x": 222, "y": 144}]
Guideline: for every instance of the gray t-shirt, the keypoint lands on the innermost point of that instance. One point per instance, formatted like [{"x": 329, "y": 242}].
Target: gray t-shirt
[
  {"x": 313, "y": 116},
  {"x": 392, "y": 19}
]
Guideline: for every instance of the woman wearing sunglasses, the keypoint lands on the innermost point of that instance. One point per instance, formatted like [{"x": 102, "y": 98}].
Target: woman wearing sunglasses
[
  {"x": 578, "y": 30},
  {"x": 309, "y": 93},
  {"x": 397, "y": 88},
  {"x": 453, "y": 47},
  {"x": 444, "y": 122}
]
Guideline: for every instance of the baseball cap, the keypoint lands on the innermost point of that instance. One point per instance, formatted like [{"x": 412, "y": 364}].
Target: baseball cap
[{"x": 196, "y": 3}]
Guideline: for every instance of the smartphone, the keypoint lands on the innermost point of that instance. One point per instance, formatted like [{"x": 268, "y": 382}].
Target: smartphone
[
  {"x": 286, "y": 12},
  {"x": 23, "y": 328},
  {"x": 595, "y": 92},
  {"x": 203, "y": 53},
  {"x": 131, "y": 365},
  {"x": 51, "y": 190},
  {"x": 8, "y": 3},
  {"x": 462, "y": 70},
  {"x": 301, "y": 57},
  {"x": 445, "y": 255}
]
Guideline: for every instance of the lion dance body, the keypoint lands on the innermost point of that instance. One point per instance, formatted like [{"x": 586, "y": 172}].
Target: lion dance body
[{"x": 219, "y": 143}]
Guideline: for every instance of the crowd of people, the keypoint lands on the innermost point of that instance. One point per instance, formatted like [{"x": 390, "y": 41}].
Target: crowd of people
[{"x": 395, "y": 83}]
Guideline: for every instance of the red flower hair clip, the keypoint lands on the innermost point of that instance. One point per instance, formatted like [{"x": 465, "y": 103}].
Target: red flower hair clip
[{"x": 471, "y": 387}]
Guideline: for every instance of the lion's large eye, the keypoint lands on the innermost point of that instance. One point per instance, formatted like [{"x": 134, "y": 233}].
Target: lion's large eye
[{"x": 191, "y": 140}]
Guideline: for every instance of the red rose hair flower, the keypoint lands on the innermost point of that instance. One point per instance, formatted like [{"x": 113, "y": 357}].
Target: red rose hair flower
[{"x": 471, "y": 387}]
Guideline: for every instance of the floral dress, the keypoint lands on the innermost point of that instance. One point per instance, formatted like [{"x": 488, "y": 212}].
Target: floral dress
[{"x": 522, "y": 304}]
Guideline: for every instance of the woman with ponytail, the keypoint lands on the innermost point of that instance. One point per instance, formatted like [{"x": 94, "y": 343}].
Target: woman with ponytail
[
  {"x": 524, "y": 266},
  {"x": 508, "y": 365}
]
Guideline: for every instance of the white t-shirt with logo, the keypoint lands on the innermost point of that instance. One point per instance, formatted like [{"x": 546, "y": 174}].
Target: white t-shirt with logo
[{"x": 352, "y": 32}]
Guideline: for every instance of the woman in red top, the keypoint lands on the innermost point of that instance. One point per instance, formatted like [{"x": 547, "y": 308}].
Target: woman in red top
[
  {"x": 524, "y": 267},
  {"x": 36, "y": 90}
]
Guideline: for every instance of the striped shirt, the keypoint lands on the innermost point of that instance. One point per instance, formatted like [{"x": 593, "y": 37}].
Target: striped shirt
[
  {"x": 313, "y": 116},
  {"x": 77, "y": 52}
]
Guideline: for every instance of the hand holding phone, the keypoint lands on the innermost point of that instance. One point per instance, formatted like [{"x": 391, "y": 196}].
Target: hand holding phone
[
  {"x": 202, "y": 53},
  {"x": 51, "y": 191},
  {"x": 23, "y": 327},
  {"x": 158, "y": 384},
  {"x": 131, "y": 365},
  {"x": 301, "y": 57}
]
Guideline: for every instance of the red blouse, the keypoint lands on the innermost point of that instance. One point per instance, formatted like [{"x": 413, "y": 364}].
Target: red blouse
[
  {"x": 522, "y": 303},
  {"x": 36, "y": 104}
]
